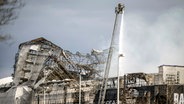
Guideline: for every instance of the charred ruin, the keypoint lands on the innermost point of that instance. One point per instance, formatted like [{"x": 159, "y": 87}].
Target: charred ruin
[{"x": 46, "y": 74}]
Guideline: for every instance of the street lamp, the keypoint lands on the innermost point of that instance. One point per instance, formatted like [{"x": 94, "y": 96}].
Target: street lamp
[
  {"x": 119, "y": 56},
  {"x": 80, "y": 88}
]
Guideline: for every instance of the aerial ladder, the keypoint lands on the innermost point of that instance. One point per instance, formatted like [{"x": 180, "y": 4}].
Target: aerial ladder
[{"x": 116, "y": 32}]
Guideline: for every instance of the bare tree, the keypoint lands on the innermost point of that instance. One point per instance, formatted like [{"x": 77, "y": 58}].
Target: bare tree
[{"x": 7, "y": 14}]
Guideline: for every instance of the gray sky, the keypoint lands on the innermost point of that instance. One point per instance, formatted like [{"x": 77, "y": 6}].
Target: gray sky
[{"x": 153, "y": 35}]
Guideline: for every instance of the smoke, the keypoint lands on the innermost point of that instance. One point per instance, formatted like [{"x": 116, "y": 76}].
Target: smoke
[
  {"x": 148, "y": 44},
  {"x": 172, "y": 36}
]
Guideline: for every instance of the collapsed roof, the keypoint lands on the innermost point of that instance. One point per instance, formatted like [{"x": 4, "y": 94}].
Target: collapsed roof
[{"x": 40, "y": 60}]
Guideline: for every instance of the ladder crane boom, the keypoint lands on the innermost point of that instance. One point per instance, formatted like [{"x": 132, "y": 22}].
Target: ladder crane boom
[{"x": 118, "y": 10}]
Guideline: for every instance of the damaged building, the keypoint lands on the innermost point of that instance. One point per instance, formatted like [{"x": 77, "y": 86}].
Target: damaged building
[
  {"x": 164, "y": 87},
  {"x": 46, "y": 74}
]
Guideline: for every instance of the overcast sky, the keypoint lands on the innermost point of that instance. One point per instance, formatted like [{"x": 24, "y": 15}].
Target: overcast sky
[{"x": 153, "y": 30}]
